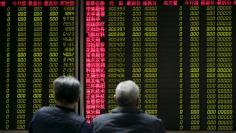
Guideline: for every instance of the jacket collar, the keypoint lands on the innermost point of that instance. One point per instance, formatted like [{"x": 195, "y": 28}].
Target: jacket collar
[
  {"x": 126, "y": 110},
  {"x": 65, "y": 108}
]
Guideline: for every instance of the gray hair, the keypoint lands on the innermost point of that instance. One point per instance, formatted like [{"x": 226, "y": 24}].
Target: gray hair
[
  {"x": 66, "y": 89},
  {"x": 127, "y": 92}
]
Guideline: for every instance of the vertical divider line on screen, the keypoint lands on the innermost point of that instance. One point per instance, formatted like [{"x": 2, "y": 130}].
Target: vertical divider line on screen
[
  {"x": 105, "y": 39},
  {"x": 61, "y": 48},
  {"x": 168, "y": 66},
  {"x": 80, "y": 52},
  {"x": 202, "y": 62},
  {"x": 13, "y": 68},
  {"x": 181, "y": 67},
  {"x": 158, "y": 44},
  {"x": 142, "y": 87},
  {"x": 234, "y": 64},
  {"x": 29, "y": 64},
  {"x": 186, "y": 68},
  {"x": 216, "y": 73},
  {"x": 128, "y": 43},
  {"x": 8, "y": 54},
  {"x": 3, "y": 52},
  {"x": 45, "y": 56},
  {"x": 177, "y": 62}
]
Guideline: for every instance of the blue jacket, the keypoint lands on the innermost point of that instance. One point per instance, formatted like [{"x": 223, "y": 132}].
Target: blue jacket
[
  {"x": 127, "y": 120},
  {"x": 57, "y": 120}
]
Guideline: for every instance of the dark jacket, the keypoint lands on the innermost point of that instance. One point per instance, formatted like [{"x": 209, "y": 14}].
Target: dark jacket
[
  {"x": 127, "y": 120},
  {"x": 57, "y": 120}
]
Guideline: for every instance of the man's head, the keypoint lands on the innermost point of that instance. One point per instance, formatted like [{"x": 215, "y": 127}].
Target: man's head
[
  {"x": 127, "y": 93},
  {"x": 66, "y": 90}
]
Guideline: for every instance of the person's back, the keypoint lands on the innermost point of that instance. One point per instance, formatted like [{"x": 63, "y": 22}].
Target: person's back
[
  {"x": 61, "y": 118},
  {"x": 56, "y": 120},
  {"x": 127, "y": 118}
]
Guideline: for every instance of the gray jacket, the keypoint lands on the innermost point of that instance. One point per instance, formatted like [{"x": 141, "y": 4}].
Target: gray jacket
[
  {"x": 127, "y": 120},
  {"x": 57, "y": 120}
]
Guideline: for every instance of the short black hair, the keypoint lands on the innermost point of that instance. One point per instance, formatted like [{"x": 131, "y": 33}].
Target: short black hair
[{"x": 66, "y": 89}]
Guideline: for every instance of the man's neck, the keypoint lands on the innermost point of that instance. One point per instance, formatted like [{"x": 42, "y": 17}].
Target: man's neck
[{"x": 69, "y": 106}]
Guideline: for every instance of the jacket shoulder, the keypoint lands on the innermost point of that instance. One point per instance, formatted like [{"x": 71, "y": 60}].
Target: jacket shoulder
[
  {"x": 78, "y": 118},
  {"x": 102, "y": 117},
  {"x": 55, "y": 112},
  {"x": 44, "y": 111},
  {"x": 152, "y": 118}
]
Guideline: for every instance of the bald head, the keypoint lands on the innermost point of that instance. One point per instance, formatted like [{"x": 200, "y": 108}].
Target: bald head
[{"x": 127, "y": 93}]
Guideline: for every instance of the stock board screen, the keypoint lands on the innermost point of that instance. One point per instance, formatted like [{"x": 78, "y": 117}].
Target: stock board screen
[
  {"x": 37, "y": 44},
  {"x": 180, "y": 53}
]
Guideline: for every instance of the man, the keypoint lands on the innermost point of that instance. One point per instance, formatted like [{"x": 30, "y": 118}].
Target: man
[
  {"x": 126, "y": 118},
  {"x": 62, "y": 118}
]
